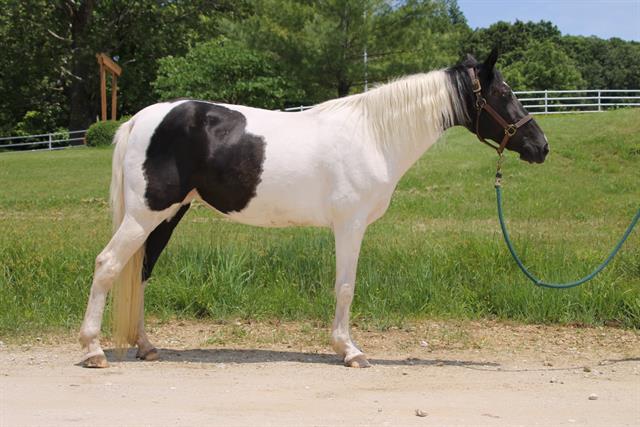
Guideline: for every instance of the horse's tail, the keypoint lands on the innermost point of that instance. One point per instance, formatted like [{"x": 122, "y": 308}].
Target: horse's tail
[{"x": 127, "y": 290}]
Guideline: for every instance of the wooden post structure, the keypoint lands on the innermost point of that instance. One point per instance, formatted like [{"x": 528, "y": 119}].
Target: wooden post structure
[{"x": 106, "y": 64}]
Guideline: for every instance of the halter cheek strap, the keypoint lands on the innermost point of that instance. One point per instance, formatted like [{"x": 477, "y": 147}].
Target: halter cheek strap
[{"x": 481, "y": 105}]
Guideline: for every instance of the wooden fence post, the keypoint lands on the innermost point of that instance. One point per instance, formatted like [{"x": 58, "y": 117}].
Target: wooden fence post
[{"x": 106, "y": 64}]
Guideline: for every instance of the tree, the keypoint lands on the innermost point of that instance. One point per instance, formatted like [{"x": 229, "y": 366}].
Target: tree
[
  {"x": 322, "y": 43},
  {"x": 510, "y": 39},
  {"x": 225, "y": 71},
  {"x": 32, "y": 80},
  {"x": 48, "y": 67},
  {"x": 605, "y": 64},
  {"x": 542, "y": 65}
]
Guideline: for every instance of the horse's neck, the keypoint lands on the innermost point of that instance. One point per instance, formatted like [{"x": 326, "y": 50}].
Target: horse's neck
[
  {"x": 405, "y": 153},
  {"x": 408, "y": 116}
]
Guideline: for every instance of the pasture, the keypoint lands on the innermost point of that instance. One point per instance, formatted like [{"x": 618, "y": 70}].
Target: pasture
[{"x": 437, "y": 253}]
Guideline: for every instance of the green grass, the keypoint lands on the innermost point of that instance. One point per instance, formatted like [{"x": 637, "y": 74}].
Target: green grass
[{"x": 438, "y": 251}]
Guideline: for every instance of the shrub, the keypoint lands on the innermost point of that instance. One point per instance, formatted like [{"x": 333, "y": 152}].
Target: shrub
[{"x": 101, "y": 134}]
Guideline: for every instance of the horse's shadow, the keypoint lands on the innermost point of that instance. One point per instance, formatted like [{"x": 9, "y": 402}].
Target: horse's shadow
[{"x": 242, "y": 356}]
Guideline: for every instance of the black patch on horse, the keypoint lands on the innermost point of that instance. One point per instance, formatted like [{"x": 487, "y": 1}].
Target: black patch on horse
[{"x": 203, "y": 146}]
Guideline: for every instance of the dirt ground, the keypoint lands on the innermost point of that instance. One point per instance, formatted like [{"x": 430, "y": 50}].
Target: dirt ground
[{"x": 281, "y": 374}]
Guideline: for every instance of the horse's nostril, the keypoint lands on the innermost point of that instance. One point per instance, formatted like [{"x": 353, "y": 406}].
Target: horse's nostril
[{"x": 545, "y": 149}]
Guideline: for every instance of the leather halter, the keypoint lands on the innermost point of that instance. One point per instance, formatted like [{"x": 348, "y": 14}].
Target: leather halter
[{"x": 481, "y": 104}]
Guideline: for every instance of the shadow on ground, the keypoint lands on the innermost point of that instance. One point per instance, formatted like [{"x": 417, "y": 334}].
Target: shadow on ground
[{"x": 267, "y": 356}]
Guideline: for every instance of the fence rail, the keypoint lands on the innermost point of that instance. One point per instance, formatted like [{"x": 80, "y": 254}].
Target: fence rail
[
  {"x": 43, "y": 141},
  {"x": 577, "y": 101}
]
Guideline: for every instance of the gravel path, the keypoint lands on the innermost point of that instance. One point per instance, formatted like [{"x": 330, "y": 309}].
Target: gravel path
[{"x": 471, "y": 374}]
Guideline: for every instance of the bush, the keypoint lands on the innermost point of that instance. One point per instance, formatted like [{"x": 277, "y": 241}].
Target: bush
[{"x": 101, "y": 134}]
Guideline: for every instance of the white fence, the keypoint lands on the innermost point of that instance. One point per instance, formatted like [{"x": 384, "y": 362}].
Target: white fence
[
  {"x": 574, "y": 101},
  {"x": 45, "y": 141},
  {"x": 567, "y": 101}
]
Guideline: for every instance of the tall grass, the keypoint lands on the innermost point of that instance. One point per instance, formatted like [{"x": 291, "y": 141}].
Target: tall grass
[{"x": 438, "y": 251}]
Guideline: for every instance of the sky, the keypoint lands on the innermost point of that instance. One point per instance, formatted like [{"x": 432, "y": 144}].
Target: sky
[{"x": 602, "y": 18}]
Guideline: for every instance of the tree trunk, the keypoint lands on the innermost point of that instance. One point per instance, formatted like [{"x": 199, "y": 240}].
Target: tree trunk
[
  {"x": 81, "y": 60},
  {"x": 343, "y": 87}
]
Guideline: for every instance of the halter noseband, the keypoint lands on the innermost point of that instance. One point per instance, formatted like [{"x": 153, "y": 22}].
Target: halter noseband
[{"x": 481, "y": 104}]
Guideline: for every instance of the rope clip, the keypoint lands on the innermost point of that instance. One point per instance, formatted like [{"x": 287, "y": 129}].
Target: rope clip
[{"x": 498, "y": 182}]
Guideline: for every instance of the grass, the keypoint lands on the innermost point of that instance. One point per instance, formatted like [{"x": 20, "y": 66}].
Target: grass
[{"x": 438, "y": 251}]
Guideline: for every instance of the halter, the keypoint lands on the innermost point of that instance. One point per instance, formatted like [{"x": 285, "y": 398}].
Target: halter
[{"x": 481, "y": 104}]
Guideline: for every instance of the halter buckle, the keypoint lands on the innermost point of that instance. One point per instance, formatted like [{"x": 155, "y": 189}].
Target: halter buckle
[
  {"x": 475, "y": 83},
  {"x": 480, "y": 103},
  {"x": 510, "y": 130}
]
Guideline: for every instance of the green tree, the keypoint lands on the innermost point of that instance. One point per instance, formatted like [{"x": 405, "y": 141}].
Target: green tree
[
  {"x": 48, "y": 67},
  {"x": 542, "y": 65},
  {"x": 225, "y": 71},
  {"x": 322, "y": 43},
  {"x": 510, "y": 39},
  {"x": 32, "y": 79},
  {"x": 605, "y": 64}
]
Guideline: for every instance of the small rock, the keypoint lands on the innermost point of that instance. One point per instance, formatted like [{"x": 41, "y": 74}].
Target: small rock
[
  {"x": 440, "y": 364},
  {"x": 490, "y": 415},
  {"x": 379, "y": 409},
  {"x": 172, "y": 388},
  {"x": 553, "y": 380},
  {"x": 571, "y": 420},
  {"x": 405, "y": 373},
  {"x": 593, "y": 396},
  {"x": 421, "y": 413},
  {"x": 424, "y": 344},
  {"x": 586, "y": 369},
  {"x": 547, "y": 363}
]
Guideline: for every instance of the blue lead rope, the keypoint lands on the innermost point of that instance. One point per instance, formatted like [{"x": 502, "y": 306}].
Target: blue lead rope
[{"x": 534, "y": 279}]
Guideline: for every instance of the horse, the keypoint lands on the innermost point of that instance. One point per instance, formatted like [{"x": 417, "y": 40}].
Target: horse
[{"x": 335, "y": 165}]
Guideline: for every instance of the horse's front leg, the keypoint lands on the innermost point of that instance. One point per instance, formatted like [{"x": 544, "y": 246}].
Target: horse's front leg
[{"x": 348, "y": 237}]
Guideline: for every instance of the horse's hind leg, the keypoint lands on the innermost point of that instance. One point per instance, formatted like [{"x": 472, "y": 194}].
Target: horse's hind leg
[
  {"x": 155, "y": 244},
  {"x": 146, "y": 350},
  {"x": 129, "y": 237}
]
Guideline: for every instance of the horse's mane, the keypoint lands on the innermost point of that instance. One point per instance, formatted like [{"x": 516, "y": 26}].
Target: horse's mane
[{"x": 409, "y": 109}]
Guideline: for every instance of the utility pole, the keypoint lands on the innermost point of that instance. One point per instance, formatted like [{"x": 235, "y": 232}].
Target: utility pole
[{"x": 364, "y": 55}]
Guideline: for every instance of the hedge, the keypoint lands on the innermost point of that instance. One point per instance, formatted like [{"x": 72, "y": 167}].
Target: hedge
[{"x": 101, "y": 133}]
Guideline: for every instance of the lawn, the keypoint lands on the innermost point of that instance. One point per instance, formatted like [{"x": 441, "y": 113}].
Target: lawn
[{"x": 437, "y": 253}]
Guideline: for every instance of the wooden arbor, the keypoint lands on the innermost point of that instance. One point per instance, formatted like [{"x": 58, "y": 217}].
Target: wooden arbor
[{"x": 106, "y": 64}]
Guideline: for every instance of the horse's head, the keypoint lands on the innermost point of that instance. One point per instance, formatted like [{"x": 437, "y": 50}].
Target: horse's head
[{"x": 495, "y": 113}]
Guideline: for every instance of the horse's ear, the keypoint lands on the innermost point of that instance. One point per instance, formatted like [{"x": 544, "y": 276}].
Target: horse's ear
[
  {"x": 491, "y": 60},
  {"x": 470, "y": 60}
]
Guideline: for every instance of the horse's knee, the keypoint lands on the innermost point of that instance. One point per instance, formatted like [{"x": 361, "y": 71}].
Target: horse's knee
[
  {"x": 344, "y": 292},
  {"x": 106, "y": 270}
]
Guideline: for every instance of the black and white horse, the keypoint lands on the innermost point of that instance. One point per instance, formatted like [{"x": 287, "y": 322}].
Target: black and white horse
[{"x": 335, "y": 165}]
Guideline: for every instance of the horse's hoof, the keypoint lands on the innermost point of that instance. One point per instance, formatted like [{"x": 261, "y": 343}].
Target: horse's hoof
[
  {"x": 97, "y": 361},
  {"x": 359, "y": 361},
  {"x": 148, "y": 356}
]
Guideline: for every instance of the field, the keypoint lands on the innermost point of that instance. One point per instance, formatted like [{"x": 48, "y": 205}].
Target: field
[{"x": 437, "y": 253}]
